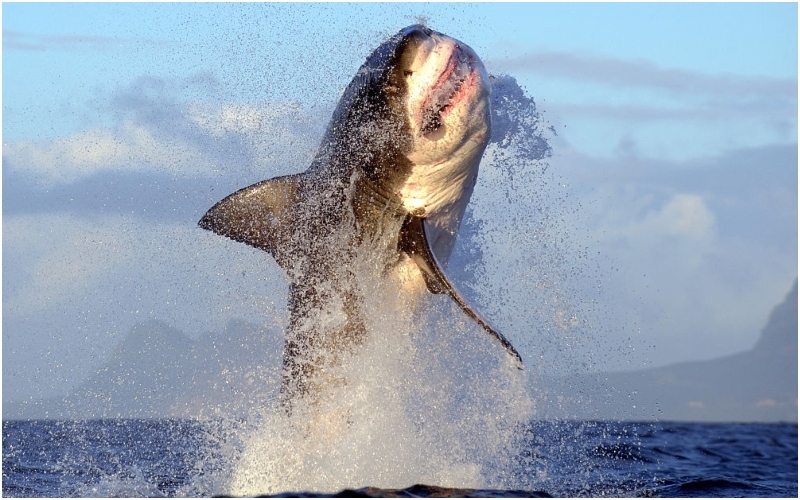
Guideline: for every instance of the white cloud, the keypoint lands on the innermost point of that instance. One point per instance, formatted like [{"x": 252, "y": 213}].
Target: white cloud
[
  {"x": 618, "y": 72},
  {"x": 672, "y": 113},
  {"x": 283, "y": 134},
  {"x": 70, "y": 261},
  {"x": 684, "y": 216},
  {"x": 685, "y": 274},
  {"x": 131, "y": 147},
  {"x": 18, "y": 40},
  {"x": 276, "y": 134},
  {"x": 241, "y": 118}
]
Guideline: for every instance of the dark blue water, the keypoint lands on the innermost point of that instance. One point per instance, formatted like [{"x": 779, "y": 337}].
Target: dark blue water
[{"x": 183, "y": 458}]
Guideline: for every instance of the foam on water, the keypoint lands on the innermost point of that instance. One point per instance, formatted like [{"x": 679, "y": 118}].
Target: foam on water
[
  {"x": 406, "y": 414},
  {"x": 130, "y": 485}
]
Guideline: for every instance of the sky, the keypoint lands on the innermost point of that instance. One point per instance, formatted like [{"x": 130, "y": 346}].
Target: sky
[{"x": 674, "y": 143}]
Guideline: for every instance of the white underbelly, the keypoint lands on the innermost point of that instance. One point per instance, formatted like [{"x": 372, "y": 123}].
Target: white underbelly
[
  {"x": 440, "y": 194},
  {"x": 431, "y": 188}
]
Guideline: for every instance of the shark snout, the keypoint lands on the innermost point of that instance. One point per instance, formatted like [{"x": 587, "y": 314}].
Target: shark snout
[{"x": 417, "y": 31}]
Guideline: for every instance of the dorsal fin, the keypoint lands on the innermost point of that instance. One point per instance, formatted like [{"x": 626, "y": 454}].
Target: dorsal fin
[{"x": 259, "y": 215}]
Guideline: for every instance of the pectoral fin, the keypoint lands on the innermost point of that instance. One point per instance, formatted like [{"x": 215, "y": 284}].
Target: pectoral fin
[
  {"x": 259, "y": 215},
  {"x": 414, "y": 242}
]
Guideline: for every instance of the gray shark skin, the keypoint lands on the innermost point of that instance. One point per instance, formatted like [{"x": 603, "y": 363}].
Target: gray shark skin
[{"x": 388, "y": 187}]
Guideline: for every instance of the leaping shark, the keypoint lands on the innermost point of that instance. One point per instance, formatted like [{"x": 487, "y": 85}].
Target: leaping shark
[{"x": 390, "y": 182}]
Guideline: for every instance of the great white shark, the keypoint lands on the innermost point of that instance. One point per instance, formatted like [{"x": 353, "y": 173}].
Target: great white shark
[{"x": 388, "y": 187}]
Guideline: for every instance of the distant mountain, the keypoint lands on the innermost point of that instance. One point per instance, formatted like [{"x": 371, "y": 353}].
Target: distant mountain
[
  {"x": 159, "y": 371},
  {"x": 757, "y": 385}
]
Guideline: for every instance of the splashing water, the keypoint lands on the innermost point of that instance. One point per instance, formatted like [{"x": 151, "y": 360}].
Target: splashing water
[
  {"x": 428, "y": 398},
  {"x": 405, "y": 416}
]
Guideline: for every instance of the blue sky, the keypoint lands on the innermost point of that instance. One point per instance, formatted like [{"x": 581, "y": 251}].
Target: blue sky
[
  {"x": 676, "y": 144},
  {"x": 87, "y": 49}
]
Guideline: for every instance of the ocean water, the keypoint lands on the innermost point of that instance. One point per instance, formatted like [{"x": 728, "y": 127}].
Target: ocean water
[{"x": 174, "y": 458}]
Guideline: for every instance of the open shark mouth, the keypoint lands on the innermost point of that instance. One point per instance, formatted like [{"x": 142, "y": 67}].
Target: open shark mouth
[{"x": 445, "y": 92}]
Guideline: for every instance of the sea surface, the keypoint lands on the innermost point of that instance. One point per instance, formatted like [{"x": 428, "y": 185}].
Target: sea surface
[{"x": 152, "y": 458}]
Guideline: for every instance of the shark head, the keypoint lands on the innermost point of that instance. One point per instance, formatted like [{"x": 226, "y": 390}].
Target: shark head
[
  {"x": 417, "y": 113},
  {"x": 445, "y": 94}
]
